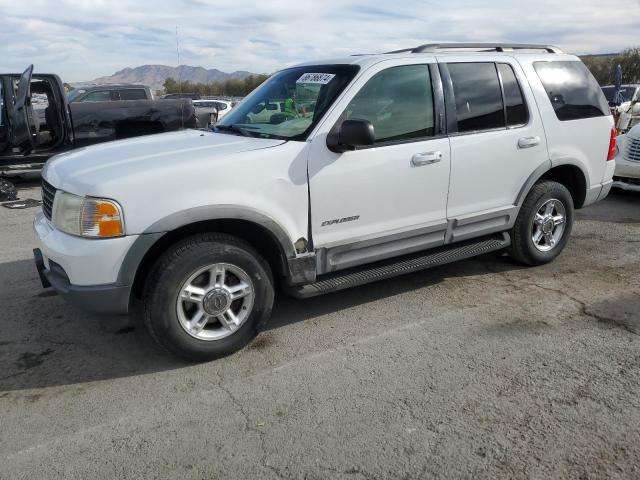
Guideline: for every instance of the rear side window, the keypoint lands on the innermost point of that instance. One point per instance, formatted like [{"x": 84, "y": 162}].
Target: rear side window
[
  {"x": 478, "y": 96},
  {"x": 573, "y": 91},
  {"x": 133, "y": 94},
  {"x": 515, "y": 108},
  {"x": 100, "y": 96},
  {"x": 398, "y": 102}
]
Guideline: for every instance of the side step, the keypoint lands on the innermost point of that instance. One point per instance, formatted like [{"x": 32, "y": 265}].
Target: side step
[{"x": 354, "y": 277}]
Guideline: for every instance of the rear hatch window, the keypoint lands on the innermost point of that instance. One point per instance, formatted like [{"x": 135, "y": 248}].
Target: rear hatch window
[{"x": 572, "y": 90}]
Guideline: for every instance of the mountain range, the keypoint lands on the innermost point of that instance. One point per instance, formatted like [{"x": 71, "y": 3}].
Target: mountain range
[{"x": 155, "y": 75}]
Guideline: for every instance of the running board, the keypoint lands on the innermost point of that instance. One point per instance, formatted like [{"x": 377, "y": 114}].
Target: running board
[{"x": 354, "y": 277}]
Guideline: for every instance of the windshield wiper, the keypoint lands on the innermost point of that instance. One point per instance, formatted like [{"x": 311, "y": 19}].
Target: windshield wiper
[{"x": 233, "y": 128}]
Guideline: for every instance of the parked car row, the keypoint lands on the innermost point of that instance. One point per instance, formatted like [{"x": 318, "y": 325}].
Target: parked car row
[
  {"x": 31, "y": 132},
  {"x": 37, "y": 119},
  {"x": 208, "y": 111}
]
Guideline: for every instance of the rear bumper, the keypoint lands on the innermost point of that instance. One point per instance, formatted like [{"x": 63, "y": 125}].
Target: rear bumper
[
  {"x": 100, "y": 299},
  {"x": 597, "y": 193}
]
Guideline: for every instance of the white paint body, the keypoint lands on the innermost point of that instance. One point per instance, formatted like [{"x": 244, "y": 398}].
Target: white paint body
[{"x": 157, "y": 176}]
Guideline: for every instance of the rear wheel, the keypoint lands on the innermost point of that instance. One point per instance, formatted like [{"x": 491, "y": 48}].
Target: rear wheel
[
  {"x": 206, "y": 296},
  {"x": 543, "y": 225}
]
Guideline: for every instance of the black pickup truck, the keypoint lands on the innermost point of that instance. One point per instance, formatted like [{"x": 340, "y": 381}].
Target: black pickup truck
[{"x": 37, "y": 121}]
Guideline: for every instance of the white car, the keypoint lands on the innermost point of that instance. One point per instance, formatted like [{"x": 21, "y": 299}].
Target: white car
[
  {"x": 382, "y": 165},
  {"x": 627, "y": 173},
  {"x": 209, "y": 112}
]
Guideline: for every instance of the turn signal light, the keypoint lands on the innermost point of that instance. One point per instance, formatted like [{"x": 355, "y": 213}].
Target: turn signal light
[{"x": 101, "y": 218}]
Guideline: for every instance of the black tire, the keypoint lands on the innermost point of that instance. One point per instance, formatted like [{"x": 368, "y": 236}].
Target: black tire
[
  {"x": 174, "y": 267},
  {"x": 522, "y": 246}
]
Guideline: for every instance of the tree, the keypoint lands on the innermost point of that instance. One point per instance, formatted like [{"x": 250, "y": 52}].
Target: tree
[
  {"x": 603, "y": 67},
  {"x": 231, "y": 87}
]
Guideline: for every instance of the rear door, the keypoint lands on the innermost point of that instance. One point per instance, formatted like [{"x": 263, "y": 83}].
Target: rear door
[
  {"x": 497, "y": 141},
  {"x": 18, "y": 108}
]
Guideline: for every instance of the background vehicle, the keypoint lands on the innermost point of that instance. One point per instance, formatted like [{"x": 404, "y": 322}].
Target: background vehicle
[
  {"x": 627, "y": 107},
  {"x": 264, "y": 111},
  {"x": 628, "y": 93},
  {"x": 627, "y": 173},
  {"x": 110, "y": 93},
  {"x": 29, "y": 138},
  {"x": 377, "y": 165},
  {"x": 209, "y": 112}
]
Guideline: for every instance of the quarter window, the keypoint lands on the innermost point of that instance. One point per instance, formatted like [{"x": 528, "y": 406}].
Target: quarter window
[
  {"x": 478, "y": 96},
  {"x": 515, "y": 107},
  {"x": 133, "y": 94},
  {"x": 572, "y": 90},
  {"x": 398, "y": 102}
]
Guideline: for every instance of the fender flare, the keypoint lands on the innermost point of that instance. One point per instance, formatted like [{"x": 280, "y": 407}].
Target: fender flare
[
  {"x": 539, "y": 172},
  {"x": 151, "y": 235}
]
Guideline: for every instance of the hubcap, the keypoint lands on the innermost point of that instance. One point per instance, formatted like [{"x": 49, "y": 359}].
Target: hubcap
[
  {"x": 215, "y": 301},
  {"x": 548, "y": 225}
]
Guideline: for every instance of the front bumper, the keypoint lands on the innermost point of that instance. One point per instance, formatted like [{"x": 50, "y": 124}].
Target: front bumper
[
  {"x": 627, "y": 169},
  {"x": 86, "y": 272},
  {"x": 101, "y": 299}
]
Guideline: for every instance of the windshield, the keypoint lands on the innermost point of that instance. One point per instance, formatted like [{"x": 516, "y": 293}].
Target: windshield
[
  {"x": 626, "y": 93},
  {"x": 73, "y": 94},
  {"x": 291, "y": 102}
]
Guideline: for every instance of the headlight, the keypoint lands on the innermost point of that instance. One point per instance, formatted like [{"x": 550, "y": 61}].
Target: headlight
[{"x": 87, "y": 217}]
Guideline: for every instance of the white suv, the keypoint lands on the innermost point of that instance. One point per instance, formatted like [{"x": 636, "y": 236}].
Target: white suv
[{"x": 373, "y": 166}]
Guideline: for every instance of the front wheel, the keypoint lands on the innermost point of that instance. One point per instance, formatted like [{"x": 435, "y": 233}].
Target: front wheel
[
  {"x": 206, "y": 296},
  {"x": 544, "y": 224}
]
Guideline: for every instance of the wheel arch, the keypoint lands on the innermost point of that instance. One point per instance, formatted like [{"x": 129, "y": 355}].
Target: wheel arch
[
  {"x": 570, "y": 174},
  {"x": 261, "y": 232}
]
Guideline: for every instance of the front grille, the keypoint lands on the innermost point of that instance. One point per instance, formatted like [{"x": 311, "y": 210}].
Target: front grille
[
  {"x": 48, "y": 194},
  {"x": 632, "y": 150}
]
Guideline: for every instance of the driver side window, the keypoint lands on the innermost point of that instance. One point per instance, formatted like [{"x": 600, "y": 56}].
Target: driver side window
[{"x": 398, "y": 102}]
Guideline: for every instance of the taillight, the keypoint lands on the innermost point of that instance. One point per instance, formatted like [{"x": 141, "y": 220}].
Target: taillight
[{"x": 612, "y": 146}]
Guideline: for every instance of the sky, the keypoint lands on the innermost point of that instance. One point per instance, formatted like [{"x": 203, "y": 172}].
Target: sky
[{"x": 85, "y": 39}]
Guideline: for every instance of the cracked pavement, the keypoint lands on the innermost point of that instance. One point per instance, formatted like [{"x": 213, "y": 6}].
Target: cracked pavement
[{"x": 480, "y": 369}]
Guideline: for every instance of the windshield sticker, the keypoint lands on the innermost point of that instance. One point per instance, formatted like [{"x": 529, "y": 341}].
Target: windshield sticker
[{"x": 317, "y": 78}]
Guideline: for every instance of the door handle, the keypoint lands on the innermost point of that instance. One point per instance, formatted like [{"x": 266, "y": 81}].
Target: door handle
[
  {"x": 528, "y": 142},
  {"x": 426, "y": 158}
]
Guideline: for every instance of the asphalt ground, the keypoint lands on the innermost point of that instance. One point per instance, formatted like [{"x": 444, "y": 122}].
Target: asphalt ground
[{"x": 479, "y": 369}]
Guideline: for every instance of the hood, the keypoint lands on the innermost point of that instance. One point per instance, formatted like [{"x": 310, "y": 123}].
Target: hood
[{"x": 80, "y": 171}]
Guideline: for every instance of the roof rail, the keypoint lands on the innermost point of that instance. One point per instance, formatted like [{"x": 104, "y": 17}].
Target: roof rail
[{"x": 481, "y": 47}]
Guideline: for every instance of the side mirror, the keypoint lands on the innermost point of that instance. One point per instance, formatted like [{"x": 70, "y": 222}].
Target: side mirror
[{"x": 351, "y": 134}]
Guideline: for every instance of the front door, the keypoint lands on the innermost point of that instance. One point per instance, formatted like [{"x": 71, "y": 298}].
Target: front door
[
  {"x": 19, "y": 111},
  {"x": 388, "y": 199}
]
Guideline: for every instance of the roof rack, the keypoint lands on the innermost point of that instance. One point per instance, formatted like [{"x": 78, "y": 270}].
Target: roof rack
[{"x": 480, "y": 47}]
